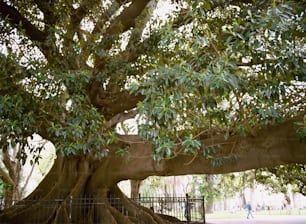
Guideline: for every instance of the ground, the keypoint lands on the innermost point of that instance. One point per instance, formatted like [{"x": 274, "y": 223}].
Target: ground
[{"x": 261, "y": 220}]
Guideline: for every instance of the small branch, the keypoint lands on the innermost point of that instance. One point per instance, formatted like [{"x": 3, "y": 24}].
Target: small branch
[
  {"x": 245, "y": 121},
  {"x": 193, "y": 158}
]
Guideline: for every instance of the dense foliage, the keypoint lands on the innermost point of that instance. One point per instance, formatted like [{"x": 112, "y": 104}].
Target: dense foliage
[{"x": 229, "y": 67}]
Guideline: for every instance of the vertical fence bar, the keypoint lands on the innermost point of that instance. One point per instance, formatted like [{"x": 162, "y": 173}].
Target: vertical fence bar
[
  {"x": 187, "y": 209},
  {"x": 204, "y": 215}
]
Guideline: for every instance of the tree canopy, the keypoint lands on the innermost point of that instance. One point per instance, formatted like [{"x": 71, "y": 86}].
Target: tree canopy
[
  {"x": 212, "y": 83},
  {"x": 71, "y": 70}
]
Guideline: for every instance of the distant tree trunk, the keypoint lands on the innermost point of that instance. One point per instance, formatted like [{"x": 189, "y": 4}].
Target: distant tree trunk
[
  {"x": 225, "y": 203},
  {"x": 135, "y": 187},
  {"x": 209, "y": 208},
  {"x": 11, "y": 177},
  {"x": 243, "y": 199},
  {"x": 210, "y": 198}
]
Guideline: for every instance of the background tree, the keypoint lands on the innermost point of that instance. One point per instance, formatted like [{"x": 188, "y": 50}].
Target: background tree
[
  {"x": 221, "y": 187},
  {"x": 208, "y": 187},
  {"x": 278, "y": 178},
  {"x": 16, "y": 174},
  {"x": 10, "y": 177},
  {"x": 216, "y": 83},
  {"x": 135, "y": 187}
]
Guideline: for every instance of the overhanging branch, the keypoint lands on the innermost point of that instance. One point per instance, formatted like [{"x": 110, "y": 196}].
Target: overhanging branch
[{"x": 274, "y": 145}]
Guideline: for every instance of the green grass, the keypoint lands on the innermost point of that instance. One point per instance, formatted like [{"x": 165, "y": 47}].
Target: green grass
[{"x": 239, "y": 214}]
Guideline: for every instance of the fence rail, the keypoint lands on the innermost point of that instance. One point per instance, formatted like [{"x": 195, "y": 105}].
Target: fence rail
[{"x": 186, "y": 209}]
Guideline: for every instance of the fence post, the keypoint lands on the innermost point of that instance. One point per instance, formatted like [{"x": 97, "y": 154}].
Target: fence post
[
  {"x": 187, "y": 209},
  {"x": 203, "y": 204}
]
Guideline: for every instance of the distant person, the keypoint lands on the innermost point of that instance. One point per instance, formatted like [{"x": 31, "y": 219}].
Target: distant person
[{"x": 249, "y": 208}]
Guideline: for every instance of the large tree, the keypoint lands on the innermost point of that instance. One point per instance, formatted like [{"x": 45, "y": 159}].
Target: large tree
[{"x": 217, "y": 86}]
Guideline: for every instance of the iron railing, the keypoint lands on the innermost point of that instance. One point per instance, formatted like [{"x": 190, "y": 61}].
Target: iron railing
[
  {"x": 74, "y": 210},
  {"x": 189, "y": 209}
]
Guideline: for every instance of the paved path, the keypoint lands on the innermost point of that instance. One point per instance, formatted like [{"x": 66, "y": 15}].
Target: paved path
[{"x": 262, "y": 219}]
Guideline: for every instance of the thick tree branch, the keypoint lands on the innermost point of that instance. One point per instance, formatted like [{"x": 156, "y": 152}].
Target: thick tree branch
[
  {"x": 113, "y": 95},
  {"x": 274, "y": 145},
  {"x": 134, "y": 49},
  {"x": 103, "y": 18},
  {"x": 127, "y": 18},
  {"x": 123, "y": 22},
  {"x": 117, "y": 102},
  {"x": 17, "y": 20},
  {"x": 76, "y": 59},
  {"x": 121, "y": 117}
]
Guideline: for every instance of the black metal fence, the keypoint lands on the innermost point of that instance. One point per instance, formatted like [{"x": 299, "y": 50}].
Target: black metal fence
[
  {"x": 189, "y": 209},
  {"x": 74, "y": 210}
]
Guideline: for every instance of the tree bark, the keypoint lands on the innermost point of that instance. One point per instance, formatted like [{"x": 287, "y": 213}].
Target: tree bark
[
  {"x": 74, "y": 181},
  {"x": 135, "y": 187}
]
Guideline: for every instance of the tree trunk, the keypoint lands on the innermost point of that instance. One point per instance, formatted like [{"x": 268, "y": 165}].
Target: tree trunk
[
  {"x": 242, "y": 198},
  {"x": 210, "y": 197},
  {"x": 135, "y": 187},
  {"x": 12, "y": 177},
  {"x": 83, "y": 176},
  {"x": 69, "y": 194}
]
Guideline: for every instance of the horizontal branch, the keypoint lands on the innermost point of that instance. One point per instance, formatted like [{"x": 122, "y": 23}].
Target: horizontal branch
[
  {"x": 274, "y": 145},
  {"x": 122, "y": 117}
]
